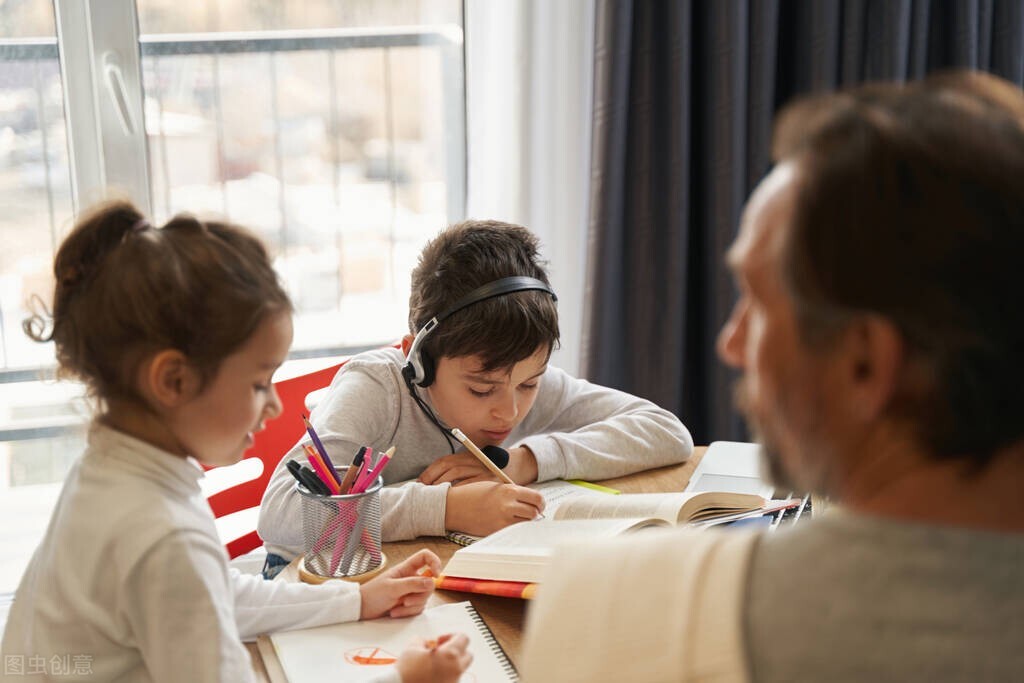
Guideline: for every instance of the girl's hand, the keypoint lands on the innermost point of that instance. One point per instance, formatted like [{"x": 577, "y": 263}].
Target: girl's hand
[
  {"x": 440, "y": 661},
  {"x": 400, "y": 591},
  {"x": 481, "y": 508}
]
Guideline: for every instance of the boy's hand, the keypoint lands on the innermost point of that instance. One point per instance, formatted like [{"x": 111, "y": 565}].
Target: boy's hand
[
  {"x": 440, "y": 661},
  {"x": 464, "y": 468},
  {"x": 400, "y": 591},
  {"x": 481, "y": 508}
]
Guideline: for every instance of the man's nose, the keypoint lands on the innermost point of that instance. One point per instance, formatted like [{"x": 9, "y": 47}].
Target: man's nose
[{"x": 732, "y": 337}]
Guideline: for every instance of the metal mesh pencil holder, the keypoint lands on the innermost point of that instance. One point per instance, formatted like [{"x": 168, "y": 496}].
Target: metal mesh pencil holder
[{"x": 341, "y": 534}]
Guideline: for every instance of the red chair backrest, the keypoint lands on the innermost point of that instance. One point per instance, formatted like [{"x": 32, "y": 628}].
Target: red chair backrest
[{"x": 270, "y": 445}]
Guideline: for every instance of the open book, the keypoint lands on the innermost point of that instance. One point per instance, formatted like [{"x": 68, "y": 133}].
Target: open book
[
  {"x": 362, "y": 650},
  {"x": 582, "y": 500},
  {"x": 518, "y": 552},
  {"x": 672, "y": 508}
]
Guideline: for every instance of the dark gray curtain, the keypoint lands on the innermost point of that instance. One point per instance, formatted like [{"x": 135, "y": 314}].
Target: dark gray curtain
[{"x": 684, "y": 96}]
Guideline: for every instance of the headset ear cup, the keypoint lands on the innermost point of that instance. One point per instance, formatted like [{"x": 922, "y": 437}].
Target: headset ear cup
[
  {"x": 409, "y": 373},
  {"x": 412, "y": 371},
  {"x": 427, "y": 366}
]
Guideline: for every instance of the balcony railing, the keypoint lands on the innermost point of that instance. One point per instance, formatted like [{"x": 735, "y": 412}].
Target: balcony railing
[{"x": 446, "y": 40}]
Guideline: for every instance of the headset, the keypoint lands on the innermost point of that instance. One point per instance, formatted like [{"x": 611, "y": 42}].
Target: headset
[{"x": 419, "y": 367}]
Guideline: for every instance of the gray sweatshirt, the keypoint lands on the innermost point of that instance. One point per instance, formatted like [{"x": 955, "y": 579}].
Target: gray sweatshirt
[{"x": 576, "y": 430}]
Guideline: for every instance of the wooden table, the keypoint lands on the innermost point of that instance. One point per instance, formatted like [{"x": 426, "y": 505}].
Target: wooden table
[{"x": 506, "y": 616}]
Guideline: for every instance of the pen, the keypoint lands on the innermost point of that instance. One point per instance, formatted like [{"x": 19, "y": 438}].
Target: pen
[
  {"x": 321, "y": 450},
  {"x": 350, "y": 473},
  {"x": 306, "y": 477},
  {"x": 294, "y": 469},
  {"x": 363, "y": 469},
  {"x": 484, "y": 460},
  {"x": 371, "y": 475}
]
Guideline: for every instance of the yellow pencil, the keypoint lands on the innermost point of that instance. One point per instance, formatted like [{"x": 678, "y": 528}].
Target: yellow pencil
[{"x": 484, "y": 460}]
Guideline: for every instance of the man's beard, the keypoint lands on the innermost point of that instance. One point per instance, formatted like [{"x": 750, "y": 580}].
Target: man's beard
[{"x": 772, "y": 468}]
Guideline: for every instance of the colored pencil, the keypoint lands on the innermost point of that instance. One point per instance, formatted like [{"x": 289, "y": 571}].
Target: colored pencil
[
  {"x": 321, "y": 450},
  {"x": 321, "y": 470}
]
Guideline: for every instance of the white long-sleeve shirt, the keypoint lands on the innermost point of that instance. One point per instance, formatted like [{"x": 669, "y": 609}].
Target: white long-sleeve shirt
[
  {"x": 575, "y": 429},
  {"x": 132, "y": 583}
]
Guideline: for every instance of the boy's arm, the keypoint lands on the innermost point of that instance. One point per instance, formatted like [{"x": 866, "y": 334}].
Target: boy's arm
[
  {"x": 412, "y": 509},
  {"x": 357, "y": 409},
  {"x": 581, "y": 430},
  {"x": 361, "y": 407}
]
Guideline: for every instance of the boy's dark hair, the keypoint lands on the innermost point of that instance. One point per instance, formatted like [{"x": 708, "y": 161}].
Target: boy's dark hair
[
  {"x": 502, "y": 330},
  {"x": 911, "y": 206},
  {"x": 125, "y": 289}
]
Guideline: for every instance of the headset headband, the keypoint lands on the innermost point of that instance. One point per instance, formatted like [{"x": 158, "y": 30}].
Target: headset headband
[
  {"x": 506, "y": 285},
  {"x": 414, "y": 371}
]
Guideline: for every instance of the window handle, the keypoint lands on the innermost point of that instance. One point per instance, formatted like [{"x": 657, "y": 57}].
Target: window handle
[{"x": 118, "y": 91}]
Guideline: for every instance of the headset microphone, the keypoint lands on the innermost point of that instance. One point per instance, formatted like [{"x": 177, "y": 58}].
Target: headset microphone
[{"x": 497, "y": 455}]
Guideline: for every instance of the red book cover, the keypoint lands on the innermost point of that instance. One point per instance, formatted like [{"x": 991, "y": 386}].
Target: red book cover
[{"x": 504, "y": 589}]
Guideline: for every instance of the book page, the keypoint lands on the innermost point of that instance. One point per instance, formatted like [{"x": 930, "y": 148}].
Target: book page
[
  {"x": 672, "y": 507},
  {"x": 555, "y": 493},
  {"x": 519, "y": 552},
  {"x": 362, "y": 650},
  {"x": 558, "y": 492}
]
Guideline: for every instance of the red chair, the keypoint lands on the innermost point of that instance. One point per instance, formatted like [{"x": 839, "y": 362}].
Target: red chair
[{"x": 269, "y": 446}]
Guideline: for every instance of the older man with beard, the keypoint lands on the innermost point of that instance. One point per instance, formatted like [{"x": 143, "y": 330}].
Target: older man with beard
[{"x": 880, "y": 334}]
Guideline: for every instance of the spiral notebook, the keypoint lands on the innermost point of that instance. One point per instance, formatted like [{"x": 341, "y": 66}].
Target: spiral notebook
[{"x": 362, "y": 650}]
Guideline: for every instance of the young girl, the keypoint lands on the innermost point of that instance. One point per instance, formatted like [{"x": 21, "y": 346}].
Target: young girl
[{"x": 177, "y": 332}]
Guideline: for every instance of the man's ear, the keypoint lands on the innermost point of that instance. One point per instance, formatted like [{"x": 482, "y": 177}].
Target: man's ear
[
  {"x": 874, "y": 363},
  {"x": 407, "y": 344},
  {"x": 168, "y": 379}
]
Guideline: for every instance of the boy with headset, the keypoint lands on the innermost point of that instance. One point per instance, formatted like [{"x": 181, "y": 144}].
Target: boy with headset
[{"x": 483, "y": 323}]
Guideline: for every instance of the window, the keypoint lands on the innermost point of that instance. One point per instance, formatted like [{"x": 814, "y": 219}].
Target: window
[{"x": 334, "y": 130}]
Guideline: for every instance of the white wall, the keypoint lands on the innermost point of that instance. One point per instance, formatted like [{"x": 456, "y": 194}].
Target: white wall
[{"x": 529, "y": 75}]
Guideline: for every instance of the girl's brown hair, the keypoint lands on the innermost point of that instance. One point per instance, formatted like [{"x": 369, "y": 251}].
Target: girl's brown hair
[{"x": 125, "y": 289}]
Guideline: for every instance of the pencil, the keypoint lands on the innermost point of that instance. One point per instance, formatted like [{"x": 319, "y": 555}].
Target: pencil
[
  {"x": 321, "y": 450},
  {"x": 484, "y": 460},
  {"x": 321, "y": 469}
]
